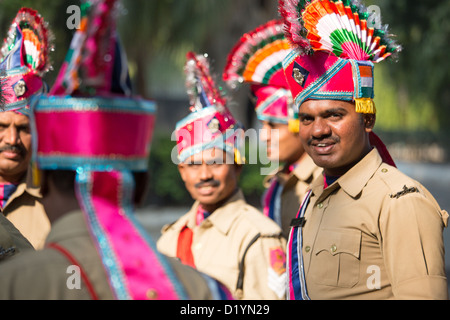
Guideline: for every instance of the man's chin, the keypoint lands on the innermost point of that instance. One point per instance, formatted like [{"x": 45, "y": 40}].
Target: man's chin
[
  {"x": 12, "y": 168},
  {"x": 208, "y": 199}
]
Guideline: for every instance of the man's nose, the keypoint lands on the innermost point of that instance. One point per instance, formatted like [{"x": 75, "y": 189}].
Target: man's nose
[
  {"x": 320, "y": 128},
  {"x": 11, "y": 136},
  {"x": 265, "y": 134},
  {"x": 205, "y": 172}
]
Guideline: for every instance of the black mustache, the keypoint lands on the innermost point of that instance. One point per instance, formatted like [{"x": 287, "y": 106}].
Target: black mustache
[
  {"x": 17, "y": 149},
  {"x": 208, "y": 183},
  {"x": 321, "y": 139}
]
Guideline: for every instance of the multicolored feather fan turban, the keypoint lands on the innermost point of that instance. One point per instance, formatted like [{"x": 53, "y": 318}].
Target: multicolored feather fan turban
[
  {"x": 210, "y": 124},
  {"x": 256, "y": 59},
  {"x": 25, "y": 60},
  {"x": 334, "y": 51}
]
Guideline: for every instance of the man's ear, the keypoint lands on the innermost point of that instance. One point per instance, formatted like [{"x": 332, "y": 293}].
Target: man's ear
[
  {"x": 238, "y": 169},
  {"x": 369, "y": 121},
  {"x": 141, "y": 187},
  {"x": 44, "y": 183},
  {"x": 181, "y": 168}
]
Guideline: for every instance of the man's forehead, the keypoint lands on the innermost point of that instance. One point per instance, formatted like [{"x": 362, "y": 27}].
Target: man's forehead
[
  {"x": 208, "y": 156},
  {"x": 325, "y": 105},
  {"x": 11, "y": 116}
]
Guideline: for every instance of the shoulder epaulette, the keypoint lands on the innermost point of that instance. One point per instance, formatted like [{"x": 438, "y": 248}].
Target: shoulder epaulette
[
  {"x": 405, "y": 191},
  {"x": 397, "y": 182}
]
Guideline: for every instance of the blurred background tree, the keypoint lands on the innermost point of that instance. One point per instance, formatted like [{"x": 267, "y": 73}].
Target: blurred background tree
[{"x": 412, "y": 95}]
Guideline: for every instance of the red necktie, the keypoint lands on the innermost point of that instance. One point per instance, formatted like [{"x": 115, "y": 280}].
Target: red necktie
[{"x": 184, "y": 252}]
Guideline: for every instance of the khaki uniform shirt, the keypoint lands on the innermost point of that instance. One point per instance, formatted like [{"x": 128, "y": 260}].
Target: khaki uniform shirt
[
  {"x": 295, "y": 186},
  {"x": 25, "y": 210},
  {"x": 374, "y": 234},
  {"x": 220, "y": 242},
  {"x": 44, "y": 274}
]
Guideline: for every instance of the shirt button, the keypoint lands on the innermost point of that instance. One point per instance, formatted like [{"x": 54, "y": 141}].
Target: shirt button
[
  {"x": 307, "y": 249},
  {"x": 333, "y": 248},
  {"x": 320, "y": 205},
  {"x": 207, "y": 224},
  {"x": 152, "y": 294},
  {"x": 384, "y": 170}
]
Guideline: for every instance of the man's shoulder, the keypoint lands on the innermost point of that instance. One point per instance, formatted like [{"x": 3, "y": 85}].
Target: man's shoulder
[
  {"x": 251, "y": 217},
  {"x": 198, "y": 286},
  {"x": 395, "y": 181},
  {"x": 401, "y": 187},
  {"x": 42, "y": 262}
]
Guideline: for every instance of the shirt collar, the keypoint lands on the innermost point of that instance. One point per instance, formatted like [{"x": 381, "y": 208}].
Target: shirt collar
[
  {"x": 354, "y": 180},
  {"x": 27, "y": 186},
  {"x": 304, "y": 171},
  {"x": 223, "y": 217}
]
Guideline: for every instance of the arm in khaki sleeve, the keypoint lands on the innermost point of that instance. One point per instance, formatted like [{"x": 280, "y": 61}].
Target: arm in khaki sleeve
[
  {"x": 413, "y": 247},
  {"x": 265, "y": 269}
]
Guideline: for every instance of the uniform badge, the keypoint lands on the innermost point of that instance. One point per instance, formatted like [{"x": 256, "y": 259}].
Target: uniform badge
[
  {"x": 278, "y": 260},
  {"x": 300, "y": 74},
  {"x": 20, "y": 88},
  {"x": 214, "y": 125},
  {"x": 276, "y": 279}
]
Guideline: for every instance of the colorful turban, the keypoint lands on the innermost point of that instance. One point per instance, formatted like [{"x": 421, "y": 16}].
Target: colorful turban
[
  {"x": 90, "y": 123},
  {"x": 24, "y": 60},
  {"x": 333, "y": 54},
  {"x": 210, "y": 124},
  {"x": 334, "y": 51},
  {"x": 256, "y": 59}
]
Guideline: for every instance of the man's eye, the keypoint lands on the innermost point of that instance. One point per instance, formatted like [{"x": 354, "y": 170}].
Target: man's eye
[
  {"x": 335, "y": 116},
  {"x": 216, "y": 162},
  {"x": 306, "y": 120},
  {"x": 193, "y": 165}
]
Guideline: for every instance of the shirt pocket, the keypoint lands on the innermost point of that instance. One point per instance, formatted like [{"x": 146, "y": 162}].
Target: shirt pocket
[{"x": 336, "y": 258}]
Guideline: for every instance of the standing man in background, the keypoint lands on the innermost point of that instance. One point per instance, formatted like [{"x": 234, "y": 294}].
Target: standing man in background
[
  {"x": 24, "y": 59},
  {"x": 257, "y": 60},
  {"x": 221, "y": 235}
]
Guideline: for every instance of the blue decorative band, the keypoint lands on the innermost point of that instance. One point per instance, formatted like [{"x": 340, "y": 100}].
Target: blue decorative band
[
  {"x": 211, "y": 110},
  {"x": 89, "y": 163},
  {"x": 43, "y": 103}
]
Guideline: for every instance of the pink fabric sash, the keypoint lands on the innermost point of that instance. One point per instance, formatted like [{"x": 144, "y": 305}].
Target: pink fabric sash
[{"x": 134, "y": 267}]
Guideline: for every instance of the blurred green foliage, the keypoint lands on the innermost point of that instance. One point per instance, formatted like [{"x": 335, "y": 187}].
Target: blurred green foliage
[
  {"x": 417, "y": 85},
  {"x": 166, "y": 185}
]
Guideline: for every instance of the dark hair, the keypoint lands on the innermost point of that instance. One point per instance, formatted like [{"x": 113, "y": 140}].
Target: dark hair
[{"x": 64, "y": 180}]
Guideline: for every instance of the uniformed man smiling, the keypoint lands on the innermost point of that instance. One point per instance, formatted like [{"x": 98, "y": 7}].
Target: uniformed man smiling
[
  {"x": 221, "y": 235},
  {"x": 365, "y": 230}
]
